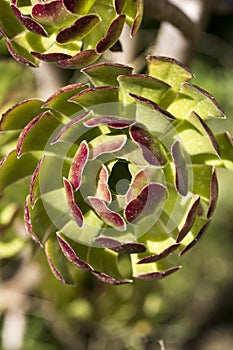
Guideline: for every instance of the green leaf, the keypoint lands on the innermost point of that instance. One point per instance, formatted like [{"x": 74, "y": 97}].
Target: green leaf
[
  {"x": 57, "y": 261},
  {"x": 18, "y": 116},
  {"x": 141, "y": 85},
  {"x": 8, "y": 22},
  {"x": 13, "y": 169},
  {"x": 106, "y": 73},
  {"x": 91, "y": 97},
  {"x": 191, "y": 98}
]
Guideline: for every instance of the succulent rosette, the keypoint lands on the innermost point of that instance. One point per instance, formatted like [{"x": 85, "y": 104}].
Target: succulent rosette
[
  {"x": 122, "y": 171},
  {"x": 72, "y": 33}
]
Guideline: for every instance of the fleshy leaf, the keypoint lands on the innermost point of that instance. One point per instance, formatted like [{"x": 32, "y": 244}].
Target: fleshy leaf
[
  {"x": 112, "y": 34},
  {"x": 213, "y": 194},
  {"x": 9, "y": 25},
  {"x": 196, "y": 239},
  {"x": 138, "y": 18},
  {"x": 190, "y": 218},
  {"x": 142, "y": 85},
  {"x": 192, "y": 98},
  {"x": 146, "y": 202},
  {"x": 51, "y": 57},
  {"x": 102, "y": 189},
  {"x": 181, "y": 169},
  {"x": 159, "y": 274},
  {"x": 70, "y": 254},
  {"x": 13, "y": 169},
  {"x": 78, "y": 29},
  {"x": 163, "y": 254},
  {"x": 81, "y": 59},
  {"x": 28, "y": 224},
  {"x": 29, "y": 23},
  {"x": 121, "y": 248},
  {"x": 111, "y": 121},
  {"x": 152, "y": 149},
  {"x": 106, "y": 144},
  {"x": 80, "y": 7},
  {"x": 57, "y": 262},
  {"x": 106, "y": 73},
  {"x": 36, "y": 134},
  {"x": 74, "y": 208},
  {"x": 20, "y": 114},
  {"x": 78, "y": 164},
  {"x": 21, "y": 54},
  {"x": 59, "y": 100},
  {"x": 108, "y": 216},
  {"x": 91, "y": 97}
]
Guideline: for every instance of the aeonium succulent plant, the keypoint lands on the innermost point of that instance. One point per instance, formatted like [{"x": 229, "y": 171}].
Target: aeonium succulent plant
[
  {"x": 72, "y": 33},
  {"x": 125, "y": 167}
]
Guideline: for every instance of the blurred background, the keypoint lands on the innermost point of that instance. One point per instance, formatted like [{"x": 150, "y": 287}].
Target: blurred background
[{"x": 191, "y": 310}]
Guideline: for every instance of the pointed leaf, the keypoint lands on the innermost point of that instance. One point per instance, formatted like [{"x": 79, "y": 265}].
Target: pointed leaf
[
  {"x": 28, "y": 223},
  {"x": 111, "y": 121},
  {"x": 196, "y": 239},
  {"x": 159, "y": 274},
  {"x": 51, "y": 57},
  {"x": 21, "y": 54}
]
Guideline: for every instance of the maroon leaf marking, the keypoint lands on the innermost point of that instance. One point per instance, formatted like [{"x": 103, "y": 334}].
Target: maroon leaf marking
[
  {"x": 119, "y": 5},
  {"x": 80, "y": 60},
  {"x": 111, "y": 121},
  {"x": 33, "y": 180},
  {"x": 160, "y": 274},
  {"x": 50, "y": 13},
  {"x": 18, "y": 57},
  {"x": 54, "y": 269},
  {"x": 112, "y": 35},
  {"x": 29, "y": 23},
  {"x": 71, "y": 255},
  {"x": 26, "y": 130},
  {"x": 75, "y": 210},
  {"x": 108, "y": 216},
  {"x": 151, "y": 149},
  {"x": 28, "y": 223},
  {"x": 181, "y": 169},
  {"x": 78, "y": 164},
  {"x": 51, "y": 57},
  {"x": 209, "y": 133},
  {"x": 213, "y": 194},
  {"x": 74, "y": 121},
  {"x": 64, "y": 90},
  {"x": 145, "y": 203},
  {"x": 112, "y": 144},
  {"x": 140, "y": 180},
  {"x": 138, "y": 18},
  {"x": 108, "y": 279},
  {"x": 156, "y": 257},
  {"x": 152, "y": 105},
  {"x": 78, "y": 29},
  {"x": 198, "y": 237},
  {"x": 102, "y": 185},
  {"x": 121, "y": 248},
  {"x": 193, "y": 212}
]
